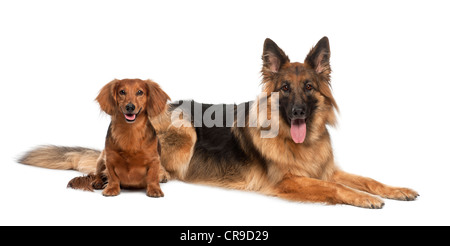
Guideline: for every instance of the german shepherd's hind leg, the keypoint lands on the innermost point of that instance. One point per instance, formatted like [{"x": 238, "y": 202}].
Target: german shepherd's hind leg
[
  {"x": 374, "y": 187},
  {"x": 91, "y": 181},
  {"x": 100, "y": 179},
  {"x": 176, "y": 152},
  {"x": 305, "y": 189},
  {"x": 164, "y": 176}
]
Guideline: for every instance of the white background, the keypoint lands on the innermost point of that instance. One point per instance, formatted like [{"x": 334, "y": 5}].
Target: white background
[{"x": 390, "y": 78}]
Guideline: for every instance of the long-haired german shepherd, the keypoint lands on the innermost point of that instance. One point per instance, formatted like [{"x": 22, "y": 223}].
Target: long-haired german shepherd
[{"x": 296, "y": 163}]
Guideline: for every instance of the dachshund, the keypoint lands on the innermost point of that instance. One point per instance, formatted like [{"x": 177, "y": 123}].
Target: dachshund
[{"x": 131, "y": 158}]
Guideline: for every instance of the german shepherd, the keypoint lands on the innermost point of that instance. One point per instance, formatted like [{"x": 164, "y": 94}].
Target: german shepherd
[{"x": 296, "y": 163}]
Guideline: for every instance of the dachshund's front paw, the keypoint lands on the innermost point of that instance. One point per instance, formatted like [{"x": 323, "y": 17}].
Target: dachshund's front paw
[
  {"x": 154, "y": 192},
  {"x": 111, "y": 190}
]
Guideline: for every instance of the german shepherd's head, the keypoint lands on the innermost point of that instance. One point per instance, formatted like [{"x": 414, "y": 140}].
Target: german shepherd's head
[{"x": 306, "y": 104}]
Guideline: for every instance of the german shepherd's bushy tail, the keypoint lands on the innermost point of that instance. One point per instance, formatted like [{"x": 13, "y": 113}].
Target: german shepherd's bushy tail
[{"x": 61, "y": 157}]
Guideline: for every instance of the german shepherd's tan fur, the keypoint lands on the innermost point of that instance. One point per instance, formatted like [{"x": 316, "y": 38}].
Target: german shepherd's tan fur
[{"x": 296, "y": 165}]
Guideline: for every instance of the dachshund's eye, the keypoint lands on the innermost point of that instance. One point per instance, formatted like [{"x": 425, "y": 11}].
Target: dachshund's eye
[
  {"x": 140, "y": 93},
  {"x": 122, "y": 92},
  {"x": 285, "y": 87}
]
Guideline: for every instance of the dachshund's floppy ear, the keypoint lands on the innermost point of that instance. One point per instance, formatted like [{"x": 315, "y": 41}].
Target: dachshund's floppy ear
[
  {"x": 157, "y": 99},
  {"x": 107, "y": 97}
]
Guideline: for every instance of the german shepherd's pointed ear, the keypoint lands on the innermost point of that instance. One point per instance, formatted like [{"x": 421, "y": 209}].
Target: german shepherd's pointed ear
[
  {"x": 319, "y": 57},
  {"x": 273, "y": 57},
  {"x": 157, "y": 99},
  {"x": 107, "y": 97}
]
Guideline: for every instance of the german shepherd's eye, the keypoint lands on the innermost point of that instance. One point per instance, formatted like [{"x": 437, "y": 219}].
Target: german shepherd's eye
[
  {"x": 122, "y": 92},
  {"x": 285, "y": 88},
  {"x": 139, "y": 93},
  {"x": 308, "y": 86}
]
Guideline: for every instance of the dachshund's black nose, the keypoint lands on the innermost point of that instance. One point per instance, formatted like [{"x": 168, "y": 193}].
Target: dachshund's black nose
[{"x": 130, "y": 107}]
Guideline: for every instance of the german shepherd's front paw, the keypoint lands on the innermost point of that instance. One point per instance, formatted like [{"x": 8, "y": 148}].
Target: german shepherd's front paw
[
  {"x": 111, "y": 190},
  {"x": 368, "y": 201},
  {"x": 402, "y": 194}
]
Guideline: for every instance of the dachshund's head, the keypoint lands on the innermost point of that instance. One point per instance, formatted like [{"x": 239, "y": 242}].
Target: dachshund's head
[{"x": 129, "y": 98}]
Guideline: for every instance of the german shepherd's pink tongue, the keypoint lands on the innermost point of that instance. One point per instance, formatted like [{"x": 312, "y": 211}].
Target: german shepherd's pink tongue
[{"x": 298, "y": 130}]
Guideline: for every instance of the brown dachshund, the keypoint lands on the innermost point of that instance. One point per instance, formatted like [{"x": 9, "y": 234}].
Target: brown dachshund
[{"x": 131, "y": 158}]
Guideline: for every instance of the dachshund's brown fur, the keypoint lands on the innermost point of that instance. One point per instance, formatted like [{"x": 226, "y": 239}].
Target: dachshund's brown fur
[
  {"x": 131, "y": 158},
  {"x": 297, "y": 164}
]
